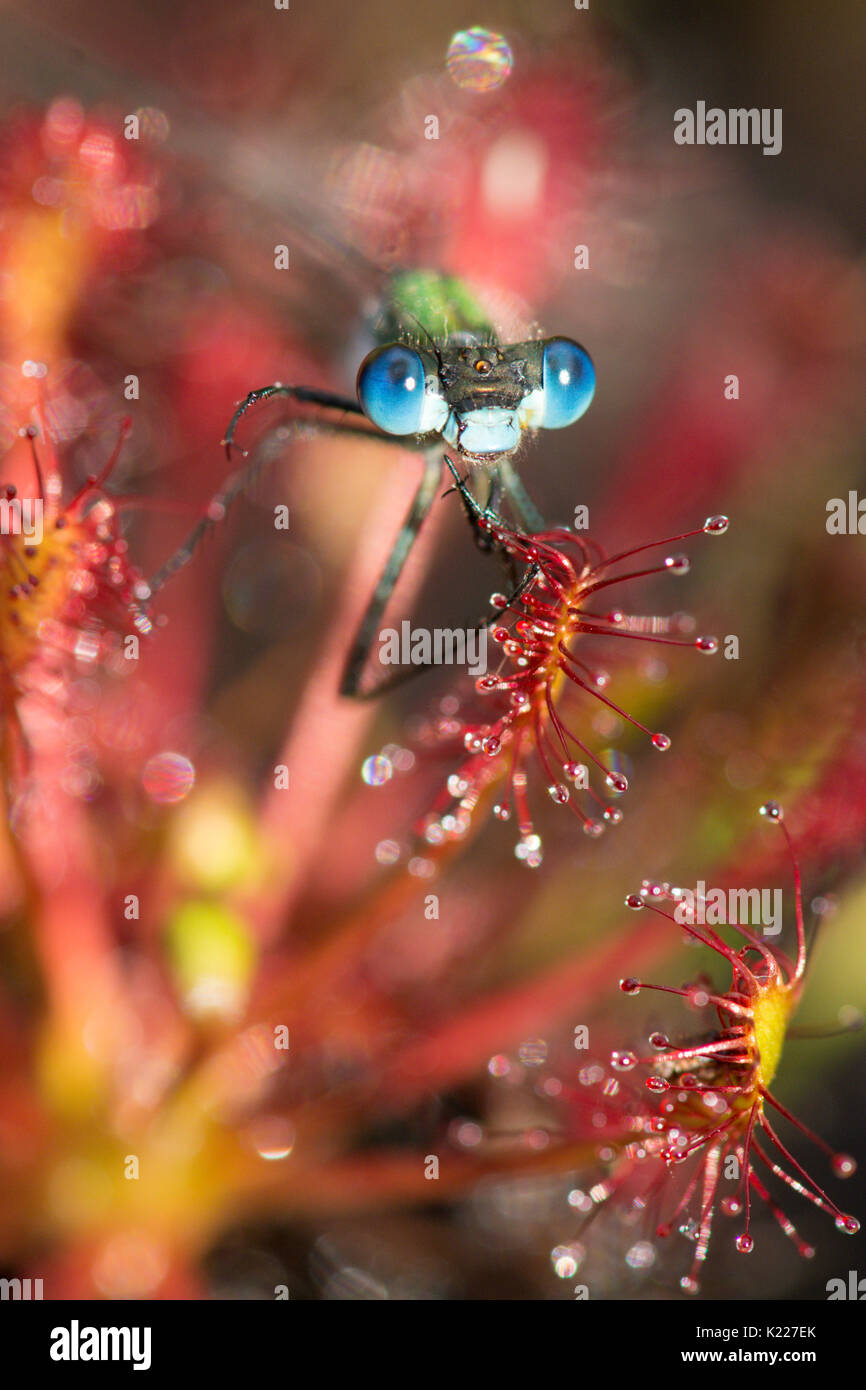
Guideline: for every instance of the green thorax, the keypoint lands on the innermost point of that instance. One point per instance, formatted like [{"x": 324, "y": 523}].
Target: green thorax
[{"x": 424, "y": 304}]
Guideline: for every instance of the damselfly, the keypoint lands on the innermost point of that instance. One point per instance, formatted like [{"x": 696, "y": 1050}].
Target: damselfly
[{"x": 438, "y": 378}]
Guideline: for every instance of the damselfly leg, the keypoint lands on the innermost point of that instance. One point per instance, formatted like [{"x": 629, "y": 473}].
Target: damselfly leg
[
  {"x": 438, "y": 378},
  {"x": 352, "y": 683}
]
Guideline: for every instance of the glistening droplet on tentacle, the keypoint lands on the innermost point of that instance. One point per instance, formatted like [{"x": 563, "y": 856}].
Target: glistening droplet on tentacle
[
  {"x": 541, "y": 632},
  {"x": 716, "y": 1088}
]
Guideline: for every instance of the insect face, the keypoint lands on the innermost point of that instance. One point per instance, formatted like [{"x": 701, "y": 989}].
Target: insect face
[{"x": 478, "y": 396}]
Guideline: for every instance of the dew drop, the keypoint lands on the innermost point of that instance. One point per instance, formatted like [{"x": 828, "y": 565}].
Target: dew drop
[
  {"x": 634, "y": 902},
  {"x": 502, "y": 812},
  {"x": 688, "y": 1284},
  {"x": 657, "y": 1084},
  {"x": 485, "y": 684},
  {"x": 772, "y": 810},
  {"x": 593, "y": 828},
  {"x": 630, "y": 986},
  {"x": 744, "y": 1243},
  {"x": 558, "y": 793},
  {"x": 377, "y": 770},
  {"x": 498, "y": 600},
  {"x": 623, "y": 1061},
  {"x": 660, "y": 1040},
  {"x": 617, "y": 782},
  {"x": 843, "y": 1165},
  {"x": 662, "y": 742},
  {"x": 731, "y": 1206},
  {"x": 613, "y": 815},
  {"x": 492, "y": 745},
  {"x": 710, "y": 645},
  {"x": 716, "y": 525}
]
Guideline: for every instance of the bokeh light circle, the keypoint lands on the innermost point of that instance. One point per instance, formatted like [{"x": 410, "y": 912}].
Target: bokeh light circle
[
  {"x": 168, "y": 777},
  {"x": 479, "y": 60}
]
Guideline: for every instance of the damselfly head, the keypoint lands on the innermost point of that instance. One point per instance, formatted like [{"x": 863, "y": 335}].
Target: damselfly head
[{"x": 479, "y": 396}]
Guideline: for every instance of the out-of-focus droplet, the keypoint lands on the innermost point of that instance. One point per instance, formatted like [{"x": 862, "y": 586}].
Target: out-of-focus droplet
[
  {"x": 566, "y": 1259},
  {"x": 153, "y": 124},
  {"x": 168, "y": 777},
  {"x": 272, "y": 588},
  {"x": 419, "y": 867},
  {"x": 377, "y": 770},
  {"x": 479, "y": 60},
  {"x": 533, "y": 1052},
  {"x": 513, "y": 174},
  {"x": 641, "y": 1256},
  {"x": 843, "y": 1165},
  {"x": 387, "y": 852},
  {"x": 212, "y": 957},
  {"x": 130, "y": 1265},
  {"x": 214, "y": 845},
  {"x": 465, "y": 1133},
  {"x": 272, "y": 1137}
]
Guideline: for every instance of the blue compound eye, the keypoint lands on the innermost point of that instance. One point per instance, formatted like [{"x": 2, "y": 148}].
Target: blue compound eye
[
  {"x": 567, "y": 382},
  {"x": 391, "y": 389}
]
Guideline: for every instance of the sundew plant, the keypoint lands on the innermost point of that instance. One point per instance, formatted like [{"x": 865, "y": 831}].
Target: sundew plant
[{"x": 430, "y": 533}]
